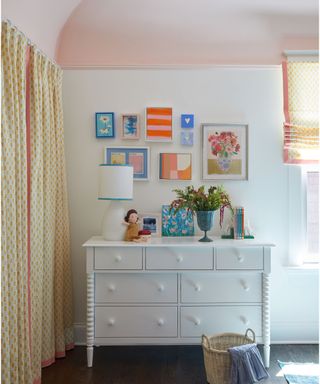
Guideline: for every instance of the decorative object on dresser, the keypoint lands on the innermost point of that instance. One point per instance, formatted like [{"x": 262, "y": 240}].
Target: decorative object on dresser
[
  {"x": 138, "y": 157},
  {"x": 202, "y": 204},
  {"x": 130, "y": 127},
  {"x": 175, "y": 166},
  {"x": 177, "y": 224},
  {"x": 151, "y": 222},
  {"x": 105, "y": 125},
  {"x": 172, "y": 291},
  {"x": 158, "y": 124},
  {"x": 224, "y": 151},
  {"x": 115, "y": 185}
]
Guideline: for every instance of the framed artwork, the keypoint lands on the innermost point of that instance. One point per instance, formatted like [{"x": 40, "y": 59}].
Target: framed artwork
[
  {"x": 175, "y": 166},
  {"x": 224, "y": 151},
  {"x": 130, "y": 128},
  {"x": 187, "y": 138},
  {"x": 152, "y": 222},
  {"x": 187, "y": 121},
  {"x": 179, "y": 224},
  {"x": 138, "y": 157},
  {"x": 158, "y": 124},
  {"x": 105, "y": 124}
]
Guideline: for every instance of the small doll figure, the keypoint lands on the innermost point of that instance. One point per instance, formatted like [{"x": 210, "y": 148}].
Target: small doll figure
[{"x": 131, "y": 220}]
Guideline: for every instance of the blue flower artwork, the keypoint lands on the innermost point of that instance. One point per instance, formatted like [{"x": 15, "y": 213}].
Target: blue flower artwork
[
  {"x": 104, "y": 124},
  {"x": 130, "y": 126},
  {"x": 187, "y": 121},
  {"x": 179, "y": 224}
]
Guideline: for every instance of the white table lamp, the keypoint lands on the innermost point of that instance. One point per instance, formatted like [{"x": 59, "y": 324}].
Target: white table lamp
[{"x": 115, "y": 185}]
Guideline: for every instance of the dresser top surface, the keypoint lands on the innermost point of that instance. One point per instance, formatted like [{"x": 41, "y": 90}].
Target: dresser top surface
[{"x": 192, "y": 241}]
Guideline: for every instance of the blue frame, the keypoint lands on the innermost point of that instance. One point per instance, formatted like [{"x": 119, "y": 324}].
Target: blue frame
[
  {"x": 187, "y": 121},
  {"x": 126, "y": 151},
  {"x": 105, "y": 129}
]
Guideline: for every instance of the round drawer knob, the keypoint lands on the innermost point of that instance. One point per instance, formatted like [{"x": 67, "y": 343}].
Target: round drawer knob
[
  {"x": 240, "y": 259},
  {"x": 111, "y": 322},
  {"x": 160, "y": 322},
  {"x": 118, "y": 258},
  {"x": 197, "y": 288},
  {"x": 244, "y": 320},
  {"x": 160, "y": 288},
  {"x": 111, "y": 288},
  {"x": 245, "y": 286},
  {"x": 179, "y": 259},
  {"x": 196, "y": 321}
]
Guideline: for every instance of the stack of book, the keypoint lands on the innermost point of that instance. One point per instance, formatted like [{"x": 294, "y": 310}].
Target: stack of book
[{"x": 238, "y": 222}]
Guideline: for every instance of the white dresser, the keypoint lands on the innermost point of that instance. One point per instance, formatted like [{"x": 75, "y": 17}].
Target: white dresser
[{"x": 173, "y": 290}]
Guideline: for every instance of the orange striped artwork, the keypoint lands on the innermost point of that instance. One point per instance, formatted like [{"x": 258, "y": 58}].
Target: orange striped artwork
[
  {"x": 175, "y": 166},
  {"x": 158, "y": 124}
]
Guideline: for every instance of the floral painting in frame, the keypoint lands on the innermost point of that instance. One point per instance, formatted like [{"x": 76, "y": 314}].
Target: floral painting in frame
[
  {"x": 224, "y": 151},
  {"x": 130, "y": 129},
  {"x": 177, "y": 224},
  {"x": 105, "y": 124}
]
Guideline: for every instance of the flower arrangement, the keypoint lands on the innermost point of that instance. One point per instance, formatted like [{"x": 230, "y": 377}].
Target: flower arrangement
[
  {"x": 198, "y": 200},
  {"x": 224, "y": 144}
]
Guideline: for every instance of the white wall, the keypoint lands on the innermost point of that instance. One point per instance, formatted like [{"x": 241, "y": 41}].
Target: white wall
[{"x": 224, "y": 95}]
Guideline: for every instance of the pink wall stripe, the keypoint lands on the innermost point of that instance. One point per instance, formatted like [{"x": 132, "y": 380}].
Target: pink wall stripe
[{"x": 28, "y": 188}]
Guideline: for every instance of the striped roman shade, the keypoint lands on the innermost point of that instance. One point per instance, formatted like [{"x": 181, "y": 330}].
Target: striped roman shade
[{"x": 301, "y": 110}]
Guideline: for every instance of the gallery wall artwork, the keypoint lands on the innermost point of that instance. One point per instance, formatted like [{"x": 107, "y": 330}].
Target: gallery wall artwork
[
  {"x": 224, "y": 151},
  {"x": 175, "y": 166},
  {"x": 138, "y": 157},
  {"x": 187, "y": 121},
  {"x": 158, "y": 124},
  {"x": 130, "y": 128},
  {"x": 105, "y": 125}
]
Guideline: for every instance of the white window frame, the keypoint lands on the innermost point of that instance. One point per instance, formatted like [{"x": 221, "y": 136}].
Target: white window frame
[{"x": 297, "y": 218}]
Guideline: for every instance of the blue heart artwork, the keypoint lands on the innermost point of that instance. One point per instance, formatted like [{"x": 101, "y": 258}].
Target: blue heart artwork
[{"x": 187, "y": 121}]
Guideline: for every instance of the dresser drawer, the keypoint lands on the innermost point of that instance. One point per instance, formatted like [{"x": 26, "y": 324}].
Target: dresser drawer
[
  {"x": 179, "y": 258},
  {"x": 239, "y": 258},
  {"x": 118, "y": 258},
  {"x": 135, "y": 322},
  {"x": 196, "y": 321},
  {"x": 136, "y": 288},
  {"x": 221, "y": 287}
]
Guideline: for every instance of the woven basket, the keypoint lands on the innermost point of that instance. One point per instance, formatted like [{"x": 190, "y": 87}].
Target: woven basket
[{"x": 217, "y": 360}]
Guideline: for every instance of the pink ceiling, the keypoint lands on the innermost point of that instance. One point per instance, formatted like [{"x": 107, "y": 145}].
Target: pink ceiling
[{"x": 167, "y": 32}]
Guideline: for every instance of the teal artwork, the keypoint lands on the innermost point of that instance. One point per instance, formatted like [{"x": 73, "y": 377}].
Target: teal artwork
[{"x": 179, "y": 224}]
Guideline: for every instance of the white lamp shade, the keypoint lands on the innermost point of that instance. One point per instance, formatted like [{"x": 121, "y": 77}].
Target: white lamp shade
[{"x": 115, "y": 182}]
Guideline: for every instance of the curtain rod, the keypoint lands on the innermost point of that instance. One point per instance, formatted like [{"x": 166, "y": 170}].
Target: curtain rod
[
  {"x": 310, "y": 52},
  {"x": 30, "y": 43}
]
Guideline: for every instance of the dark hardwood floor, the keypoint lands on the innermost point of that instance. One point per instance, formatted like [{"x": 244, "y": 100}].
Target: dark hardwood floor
[{"x": 156, "y": 365}]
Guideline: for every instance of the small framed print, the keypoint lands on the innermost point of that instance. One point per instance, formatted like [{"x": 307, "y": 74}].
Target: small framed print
[
  {"x": 187, "y": 121},
  {"x": 159, "y": 124},
  {"x": 151, "y": 222},
  {"x": 187, "y": 138},
  {"x": 105, "y": 124},
  {"x": 130, "y": 128},
  {"x": 224, "y": 151},
  {"x": 138, "y": 157},
  {"x": 175, "y": 166}
]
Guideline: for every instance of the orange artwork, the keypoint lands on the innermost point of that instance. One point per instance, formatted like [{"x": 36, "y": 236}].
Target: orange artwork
[
  {"x": 159, "y": 124},
  {"x": 175, "y": 166}
]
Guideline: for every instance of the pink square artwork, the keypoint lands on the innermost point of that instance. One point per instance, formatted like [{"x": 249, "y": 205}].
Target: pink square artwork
[{"x": 136, "y": 160}]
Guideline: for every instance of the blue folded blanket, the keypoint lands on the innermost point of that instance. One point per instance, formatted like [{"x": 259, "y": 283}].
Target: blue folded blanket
[{"x": 246, "y": 365}]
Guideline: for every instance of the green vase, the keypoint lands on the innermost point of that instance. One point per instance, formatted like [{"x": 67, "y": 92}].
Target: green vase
[{"x": 205, "y": 221}]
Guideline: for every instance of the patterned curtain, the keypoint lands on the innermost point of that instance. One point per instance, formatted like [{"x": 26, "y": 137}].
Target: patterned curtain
[
  {"x": 301, "y": 110},
  {"x": 36, "y": 284},
  {"x": 15, "y": 356},
  {"x": 51, "y": 299}
]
